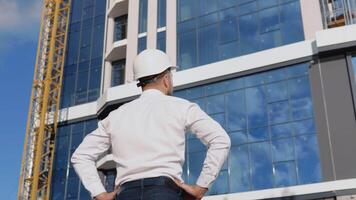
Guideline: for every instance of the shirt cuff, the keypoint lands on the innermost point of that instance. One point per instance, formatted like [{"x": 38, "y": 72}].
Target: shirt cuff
[
  {"x": 205, "y": 181},
  {"x": 96, "y": 189}
]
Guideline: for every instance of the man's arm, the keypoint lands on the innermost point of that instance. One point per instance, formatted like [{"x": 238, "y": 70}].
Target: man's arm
[
  {"x": 214, "y": 137},
  {"x": 85, "y": 156}
]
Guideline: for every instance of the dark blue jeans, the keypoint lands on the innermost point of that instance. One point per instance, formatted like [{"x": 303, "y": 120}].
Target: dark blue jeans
[{"x": 152, "y": 190}]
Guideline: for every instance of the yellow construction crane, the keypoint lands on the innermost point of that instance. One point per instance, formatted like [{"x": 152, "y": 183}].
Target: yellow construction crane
[{"x": 37, "y": 158}]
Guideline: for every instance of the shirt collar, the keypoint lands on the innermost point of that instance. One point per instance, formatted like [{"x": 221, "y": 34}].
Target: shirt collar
[{"x": 151, "y": 92}]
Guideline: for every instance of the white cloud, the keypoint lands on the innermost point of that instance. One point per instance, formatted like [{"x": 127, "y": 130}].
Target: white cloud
[{"x": 19, "y": 22}]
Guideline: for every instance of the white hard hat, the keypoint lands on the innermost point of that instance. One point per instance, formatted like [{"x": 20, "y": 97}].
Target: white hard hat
[{"x": 151, "y": 62}]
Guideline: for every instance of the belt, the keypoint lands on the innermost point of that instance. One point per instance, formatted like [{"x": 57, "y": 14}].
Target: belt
[{"x": 155, "y": 181}]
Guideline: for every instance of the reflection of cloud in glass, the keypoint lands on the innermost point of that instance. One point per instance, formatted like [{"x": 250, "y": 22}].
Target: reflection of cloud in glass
[
  {"x": 256, "y": 108},
  {"x": 281, "y": 130},
  {"x": 258, "y": 134},
  {"x": 278, "y": 112},
  {"x": 236, "y": 110},
  {"x": 308, "y": 159},
  {"x": 304, "y": 126},
  {"x": 239, "y": 169},
  {"x": 261, "y": 166},
  {"x": 283, "y": 149},
  {"x": 285, "y": 174}
]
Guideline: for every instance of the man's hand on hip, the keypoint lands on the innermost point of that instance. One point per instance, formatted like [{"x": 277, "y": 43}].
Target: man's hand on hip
[
  {"x": 108, "y": 195},
  {"x": 193, "y": 192}
]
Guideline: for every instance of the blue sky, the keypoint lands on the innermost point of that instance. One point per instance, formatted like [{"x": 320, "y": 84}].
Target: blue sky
[{"x": 19, "y": 26}]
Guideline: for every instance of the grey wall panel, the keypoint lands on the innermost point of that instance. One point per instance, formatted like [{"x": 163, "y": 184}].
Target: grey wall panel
[
  {"x": 338, "y": 107},
  {"x": 321, "y": 123}
]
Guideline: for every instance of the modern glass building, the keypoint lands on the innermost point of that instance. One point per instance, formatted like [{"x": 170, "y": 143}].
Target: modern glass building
[{"x": 278, "y": 75}]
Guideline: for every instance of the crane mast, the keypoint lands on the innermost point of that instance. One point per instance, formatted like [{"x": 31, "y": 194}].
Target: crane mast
[{"x": 38, "y": 153}]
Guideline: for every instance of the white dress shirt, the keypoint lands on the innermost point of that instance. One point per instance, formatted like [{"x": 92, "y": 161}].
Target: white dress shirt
[{"x": 147, "y": 139}]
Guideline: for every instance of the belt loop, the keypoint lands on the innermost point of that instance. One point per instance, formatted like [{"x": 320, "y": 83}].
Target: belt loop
[{"x": 142, "y": 183}]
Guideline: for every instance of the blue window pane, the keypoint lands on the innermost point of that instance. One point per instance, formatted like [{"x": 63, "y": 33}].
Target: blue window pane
[
  {"x": 304, "y": 127},
  {"x": 267, "y": 3},
  {"x": 234, "y": 84},
  {"x": 255, "y": 79},
  {"x": 142, "y": 44},
  {"x": 308, "y": 162},
  {"x": 228, "y": 30},
  {"x": 258, "y": 134},
  {"x": 249, "y": 38},
  {"x": 215, "y": 104},
  {"x": 120, "y": 28},
  {"x": 238, "y": 137},
  {"x": 276, "y": 75},
  {"x": 228, "y": 14},
  {"x": 161, "y": 13},
  {"x": 278, "y": 112},
  {"x": 118, "y": 73},
  {"x": 239, "y": 168},
  {"x": 73, "y": 188},
  {"x": 301, "y": 103},
  {"x": 256, "y": 107},
  {"x": 195, "y": 145},
  {"x": 220, "y": 185},
  {"x": 269, "y": 19},
  {"x": 187, "y": 9},
  {"x": 208, "y": 44},
  {"x": 196, "y": 92},
  {"x": 220, "y": 118},
  {"x": 143, "y": 6},
  {"x": 208, "y": 6},
  {"x": 195, "y": 165},
  {"x": 291, "y": 23},
  {"x": 208, "y": 19},
  {"x": 185, "y": 26},
  {"x": 161, "y": 41},
  {"x": 187, "y": 56},
  {"x": 229, "y": 50},
  {"x": 283, "y": 150},
  {"x": 277, "y": 91},
  {"x": 282, "y": 130},
  {"x": 248, "y": 8},
  {"x": 227, "y": 3},
  {"x": 285, "y": 174},
  {"x": 94, "y": 79},
  {"x": 236, "y": 110},
  {"x": 297, "y": 70},
  {"x": 261, "y": 166},
  {"x": 84, "y": 194},
  {"x": 215, "y": 88},
  {"x": 270, "y": 40}
]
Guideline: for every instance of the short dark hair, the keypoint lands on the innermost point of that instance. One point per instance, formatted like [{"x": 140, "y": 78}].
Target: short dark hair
[{"x": 142, "y": 82}]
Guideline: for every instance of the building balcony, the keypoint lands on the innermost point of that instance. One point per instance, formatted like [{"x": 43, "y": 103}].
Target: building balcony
[{"x": 118, "y": 8}]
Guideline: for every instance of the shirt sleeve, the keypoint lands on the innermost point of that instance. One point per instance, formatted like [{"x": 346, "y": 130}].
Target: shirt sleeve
[
  {"x": 214, "y": 138},
  {"x": 85, "y": 156}
]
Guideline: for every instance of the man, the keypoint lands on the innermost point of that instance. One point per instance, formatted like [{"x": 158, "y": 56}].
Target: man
[{"x": 147, "y": 140}]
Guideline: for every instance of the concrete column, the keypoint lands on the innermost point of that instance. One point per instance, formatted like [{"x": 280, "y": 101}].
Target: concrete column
[
  {"x": 152, "y": 24},
  {"x": 132, "y": 35},
  {"x": 108, "y": 44},
  {"x": 312, "y": 18},
  {"x": 171, "y": 30}
]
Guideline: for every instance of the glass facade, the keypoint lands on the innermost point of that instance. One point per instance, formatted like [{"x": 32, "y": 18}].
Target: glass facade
[
  {"x": 354, "y": 67},
  {"x": 65, "y": 182},
  {"x": 213, "y": 30},
  {"x": 142, "y": 21},
  {"x": 142, "y": 44},
  {"x": 269, "y": 118},
  {"x": 120, "y": 28},
  {"x": 161, "y": 15},
  {"x": 82, "y": 70},
  {"x": 118, "y": 72},
  {"x": 161, "y": 41}
]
